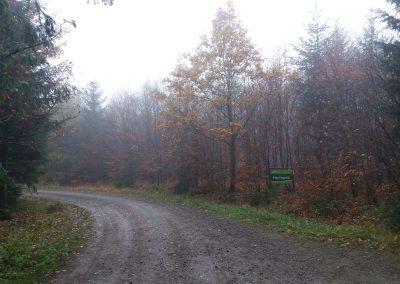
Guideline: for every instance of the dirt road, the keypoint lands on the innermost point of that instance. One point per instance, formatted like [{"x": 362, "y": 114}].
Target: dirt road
[{"x": 143, "y": 241}]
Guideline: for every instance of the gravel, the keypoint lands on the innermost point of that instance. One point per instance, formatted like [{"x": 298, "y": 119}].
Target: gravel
[{"x": 136, "y": 240}]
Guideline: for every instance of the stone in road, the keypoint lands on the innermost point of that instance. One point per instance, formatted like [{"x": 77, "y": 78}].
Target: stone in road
[{"x": 142, "y": 241}]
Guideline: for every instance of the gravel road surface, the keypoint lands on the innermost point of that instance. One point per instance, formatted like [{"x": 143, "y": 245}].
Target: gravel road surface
[{"x": 142, "y": 241}]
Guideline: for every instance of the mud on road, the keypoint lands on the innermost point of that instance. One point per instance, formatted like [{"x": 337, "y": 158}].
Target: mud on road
[{"x": 142, "y": 241}]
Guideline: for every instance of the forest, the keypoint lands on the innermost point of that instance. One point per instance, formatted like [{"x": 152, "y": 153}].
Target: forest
[{"x": 327, "y": 108}]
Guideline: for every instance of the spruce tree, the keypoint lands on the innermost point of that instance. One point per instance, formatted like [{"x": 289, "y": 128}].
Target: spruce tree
[
  {"x": 30, "y": 91},
  {"x": 391, "y": 67},
  {"x": 390, "y": 63}
]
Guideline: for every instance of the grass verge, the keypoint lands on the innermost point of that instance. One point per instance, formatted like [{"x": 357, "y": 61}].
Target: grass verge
[
  {"x": 38, "y": 238},
  {"x": 361, "y": 235}
]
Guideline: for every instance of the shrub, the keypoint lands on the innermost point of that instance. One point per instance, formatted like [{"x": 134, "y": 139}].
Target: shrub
[
  {"x": 125, "y": 178},
  {"x": 263, "y": 197},
  {"x": 390, "y": 214},
  {"x": 182, "y": 185},
  {"x": 201, "y": 191},
  {"x": 227, "y": 198},
  {"x": 328, "y": 206}
]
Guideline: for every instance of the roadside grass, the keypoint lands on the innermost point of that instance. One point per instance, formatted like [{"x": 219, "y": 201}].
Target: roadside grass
[
  {"x": 37, "y": 239},
  {"x": 368, "y": 235}
]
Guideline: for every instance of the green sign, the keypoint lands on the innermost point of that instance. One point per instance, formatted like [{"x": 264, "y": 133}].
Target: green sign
[{"x": 281, "y": 176}]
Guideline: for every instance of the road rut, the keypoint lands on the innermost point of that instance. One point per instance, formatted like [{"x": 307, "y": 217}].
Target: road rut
[{"x": 136, "y": 240}]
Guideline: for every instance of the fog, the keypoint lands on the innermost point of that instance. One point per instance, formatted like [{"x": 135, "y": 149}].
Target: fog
[{"x": 132, "y": 42}]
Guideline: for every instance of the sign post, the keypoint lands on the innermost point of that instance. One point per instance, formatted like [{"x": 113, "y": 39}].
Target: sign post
[{"x": 281, "y": 176}]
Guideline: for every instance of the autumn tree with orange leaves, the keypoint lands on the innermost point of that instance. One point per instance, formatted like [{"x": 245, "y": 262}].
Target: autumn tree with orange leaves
[{"x": 220, "y": 77}]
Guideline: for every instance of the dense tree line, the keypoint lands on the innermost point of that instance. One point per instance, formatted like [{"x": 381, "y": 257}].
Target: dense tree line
[{"x": 225, "y": 117}]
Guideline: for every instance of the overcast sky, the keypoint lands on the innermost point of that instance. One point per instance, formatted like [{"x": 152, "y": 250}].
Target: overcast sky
[{"x": 135, "y": 41}]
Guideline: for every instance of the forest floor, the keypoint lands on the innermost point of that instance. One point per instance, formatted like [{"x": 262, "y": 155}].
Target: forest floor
[
  {"x": 38, "y": 238},
  {"x": 141, "y": 240}
]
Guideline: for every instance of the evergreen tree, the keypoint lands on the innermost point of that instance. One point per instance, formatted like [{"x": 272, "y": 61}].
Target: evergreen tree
[
  {"x": 91, "y": 134},
  {"x": 82, "y": 148},
  {"x": 30, "y": 89},
  {"x": 391, "y": 85},
  {"x": 313, "y": 93}
]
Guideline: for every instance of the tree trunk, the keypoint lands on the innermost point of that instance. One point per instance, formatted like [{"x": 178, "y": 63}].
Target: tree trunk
[
  {"x": 232, "y": 158},
  {"x": 232, "y": 144}
]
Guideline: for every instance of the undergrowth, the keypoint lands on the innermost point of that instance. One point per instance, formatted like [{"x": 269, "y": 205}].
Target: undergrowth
[{"x": 39, "y": 236}]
